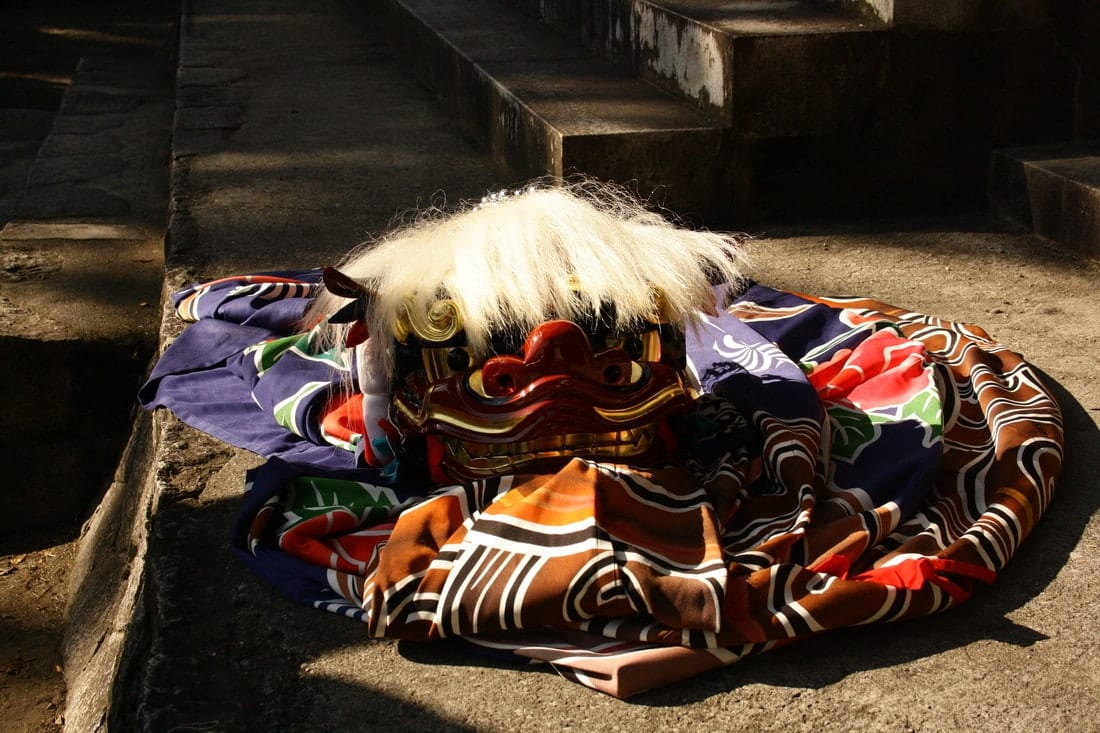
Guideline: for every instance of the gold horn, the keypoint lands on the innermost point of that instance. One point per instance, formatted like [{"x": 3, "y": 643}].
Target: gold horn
[{"x": 439, "y": 321}]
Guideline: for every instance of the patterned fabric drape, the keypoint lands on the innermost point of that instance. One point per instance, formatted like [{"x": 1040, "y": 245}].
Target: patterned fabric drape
[{"x": 848, "y": 463}]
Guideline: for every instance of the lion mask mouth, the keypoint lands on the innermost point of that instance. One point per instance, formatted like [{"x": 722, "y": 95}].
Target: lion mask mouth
[{"x": 566, "y": 393}]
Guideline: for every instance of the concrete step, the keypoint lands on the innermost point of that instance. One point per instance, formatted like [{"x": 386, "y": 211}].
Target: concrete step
[
  {"x": 547, "y": 107},
  {"x": 81, "y": 266},
  {"x": 766, "y": 69},
  {"x": 962, "y": 15},
  {"x": 952, "y": 15},
  {"x": 1054, "y": 190},
  {"x": 805, "y": 110}
]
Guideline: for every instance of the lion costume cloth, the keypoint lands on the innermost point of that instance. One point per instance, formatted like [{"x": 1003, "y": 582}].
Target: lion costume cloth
[{"x": 537, "y": 426}]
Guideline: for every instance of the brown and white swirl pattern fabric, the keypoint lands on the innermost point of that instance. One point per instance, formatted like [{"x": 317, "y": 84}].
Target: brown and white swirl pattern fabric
[
  {"x": 849, "y": 563},
  {"x": 1002, "y": 444}
]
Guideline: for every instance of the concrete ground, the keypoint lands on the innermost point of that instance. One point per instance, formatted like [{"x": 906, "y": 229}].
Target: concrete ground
[{"x": 297, "y": 135}]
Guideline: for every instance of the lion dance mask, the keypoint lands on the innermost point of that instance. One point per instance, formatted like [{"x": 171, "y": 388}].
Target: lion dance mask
[
  {"x": 538, "y": 425},
  {"x": 538, "y": 330}
]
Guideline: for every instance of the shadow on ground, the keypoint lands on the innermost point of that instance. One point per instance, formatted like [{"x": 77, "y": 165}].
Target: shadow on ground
[{"x": 267, "y": 663}]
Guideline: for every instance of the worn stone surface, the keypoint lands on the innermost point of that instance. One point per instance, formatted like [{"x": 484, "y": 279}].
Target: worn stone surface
[
  {"x": 535, "y": 108},
  {"x": 91, "y": 289},
  {"x": 209, "y": 646},
  {"x": 1053, "y": 190},
  {"x": 720, "y": 54},
  {"x": 959, "y": 15},
  {"x": 81, "y": 266},
  {"x": 21, "y": 133},
  {"x": 75, "y": 230},
  {"x": 64, "y": 425},
  {"x": 24, "y": 124},
  {"x": 174, "y": 634},
  {"x": 104, "y": 609},
  {"x": 68, "y": 402},
  {"x": 196, "y": 72},
  {"x": 825, "y": 110}
]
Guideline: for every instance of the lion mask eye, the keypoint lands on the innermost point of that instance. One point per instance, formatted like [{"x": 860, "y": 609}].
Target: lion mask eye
[
  {"x": 446, "y": 360},
  {"x": 459, "y": 359}
]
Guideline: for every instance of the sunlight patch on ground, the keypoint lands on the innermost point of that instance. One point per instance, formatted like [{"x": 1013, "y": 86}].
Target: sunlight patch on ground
[
  {"x": 57, "y": 79},
  {"x": 80, "y": 34}
]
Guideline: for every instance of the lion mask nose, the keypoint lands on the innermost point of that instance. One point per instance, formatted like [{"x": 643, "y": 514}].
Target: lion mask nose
[{"x": 557, "y": 350}]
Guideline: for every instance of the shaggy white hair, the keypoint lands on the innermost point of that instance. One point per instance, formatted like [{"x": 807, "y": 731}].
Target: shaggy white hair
[{"x": 517, "y": 260}]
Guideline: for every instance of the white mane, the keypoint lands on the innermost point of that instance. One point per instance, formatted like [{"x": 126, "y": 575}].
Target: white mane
[{"x": 542, "y": 253}]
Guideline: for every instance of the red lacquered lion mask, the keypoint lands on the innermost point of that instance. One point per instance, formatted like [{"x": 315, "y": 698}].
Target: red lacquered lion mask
[
  {"x": 485, "y": 376},
  {"x": 569, "y": 390}
]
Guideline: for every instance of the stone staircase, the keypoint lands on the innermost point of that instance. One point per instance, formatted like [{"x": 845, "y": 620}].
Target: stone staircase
[
  {"x": 747, "y": 64},
  {"x": 295, "y": 132},
  {"x": 547, "y": 107},
  {"x": 750, "y": 111}
]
